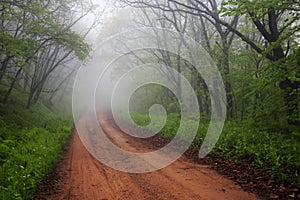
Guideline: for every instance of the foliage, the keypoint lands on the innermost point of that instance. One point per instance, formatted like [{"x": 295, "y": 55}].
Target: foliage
[
  {"x": 37, "y": 37},
  {"x": 27, "y": 161},
  {"x": 275, "y": 152},
  {"x": 30, "y": 142},
  {"x": 287, "y": 14}
]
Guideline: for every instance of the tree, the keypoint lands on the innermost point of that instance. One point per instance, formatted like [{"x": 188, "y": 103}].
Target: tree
[
  {"x": 278, "y": 23},
  {"x": 37, "y": 39},
  {"x": 225, "y": 36}
]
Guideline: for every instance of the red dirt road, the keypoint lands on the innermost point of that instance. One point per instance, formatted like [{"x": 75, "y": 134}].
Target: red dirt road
[{"x": 84, "y": 177}]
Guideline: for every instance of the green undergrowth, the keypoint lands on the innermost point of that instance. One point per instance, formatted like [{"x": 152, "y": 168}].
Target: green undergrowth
[
  {"x": 276, "y": 152},
  {"x": 30, "y": 143}
]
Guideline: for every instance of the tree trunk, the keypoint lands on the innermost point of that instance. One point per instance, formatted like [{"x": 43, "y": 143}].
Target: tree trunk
[
  {"x": 4, "y": 66},
  {"x": 29, "y": 100},
  {"x": 5, "y": 99}
]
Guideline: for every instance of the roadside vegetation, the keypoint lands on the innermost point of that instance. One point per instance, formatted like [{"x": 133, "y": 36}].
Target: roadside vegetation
[
  {"x": 276, "y": 152},
  {"x": 30, "y": 143}
]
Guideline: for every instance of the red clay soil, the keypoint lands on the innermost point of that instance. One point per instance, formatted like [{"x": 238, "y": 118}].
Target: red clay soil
[{"x": 79, "y": 175}]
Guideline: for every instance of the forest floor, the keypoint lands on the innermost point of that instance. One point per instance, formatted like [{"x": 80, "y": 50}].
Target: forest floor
[{"x": 78, "y": 175}]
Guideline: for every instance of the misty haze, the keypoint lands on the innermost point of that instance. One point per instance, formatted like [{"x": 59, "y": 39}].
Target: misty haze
[{"x": 156, "y": 99}]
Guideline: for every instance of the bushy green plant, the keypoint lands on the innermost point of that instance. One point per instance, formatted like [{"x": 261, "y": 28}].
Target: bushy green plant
[
  {"x": 30, "y": 142},
  {"x": 29, "y": 161},
  {"x": 275, "y": 152}
]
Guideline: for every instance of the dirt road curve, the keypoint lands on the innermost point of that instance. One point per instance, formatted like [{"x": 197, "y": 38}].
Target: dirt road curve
[{"x": 85, "y": 178}]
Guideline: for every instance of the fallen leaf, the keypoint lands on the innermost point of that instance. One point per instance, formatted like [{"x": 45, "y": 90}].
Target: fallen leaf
[
  {"x": 292, "y": 195},
  {"x": 281, "y": 188},
  {"x": 274, "y": 196}
]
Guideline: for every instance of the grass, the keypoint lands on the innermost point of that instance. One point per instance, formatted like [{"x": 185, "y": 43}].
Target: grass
[
  {"x": 277, "y": 153},
  {"x": 30, "y": 143}
]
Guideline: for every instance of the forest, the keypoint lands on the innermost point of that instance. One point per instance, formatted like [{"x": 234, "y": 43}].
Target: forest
[{"x": 46, "y": 46}]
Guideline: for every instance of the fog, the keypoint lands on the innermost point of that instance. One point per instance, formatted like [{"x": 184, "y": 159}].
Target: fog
[
  {"x": 97, "y": 76},
  {"x": 131, "y": 57}
]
